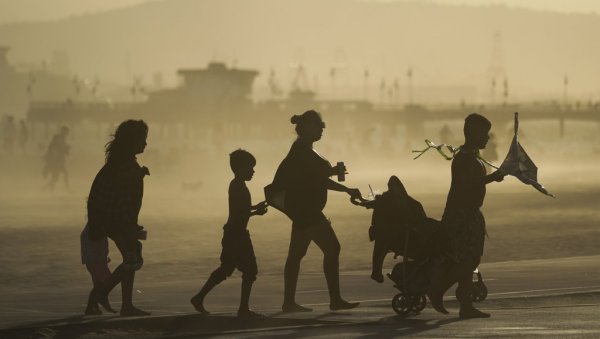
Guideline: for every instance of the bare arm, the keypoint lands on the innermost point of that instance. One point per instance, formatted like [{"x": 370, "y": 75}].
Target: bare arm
[
  {"x": 497, "y": 176},
  {"x": 354, "y": 193}
]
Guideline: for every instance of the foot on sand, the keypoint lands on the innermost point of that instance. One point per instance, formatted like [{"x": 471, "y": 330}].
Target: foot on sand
[
  {"x": 93, "y": 310},
  {"x": 377, "y": 276},
  {"x": 472, "y": 313},
  {"x": 132, "y": 311},
  {"x": 103, "y": 301},
  {"x": 289, "y": 308},
  {"x": 342, "y": 305},
  {"x": 198, "y": 303},
  {"x": 101, "y": 297},
  {"x": 249, "y": 314},
  {"x": 437, "y": 301}
]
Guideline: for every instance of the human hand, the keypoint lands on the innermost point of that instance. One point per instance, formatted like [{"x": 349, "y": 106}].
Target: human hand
[
  {"x": 339, "y": 168},
  {"x": 260, "y": 208},
  {"x": 355, "y": 196},
  {"x": 498, "y": 175},
  {"x": 261, "y": 211},
  {"x": 262, "y": 204}
]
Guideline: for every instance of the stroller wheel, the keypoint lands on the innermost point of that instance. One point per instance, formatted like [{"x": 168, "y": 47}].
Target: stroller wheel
[
  {"x": 480, "y": 291},
  {"x": 418, "y": 303},
  {"x": 401, "y": 304}
]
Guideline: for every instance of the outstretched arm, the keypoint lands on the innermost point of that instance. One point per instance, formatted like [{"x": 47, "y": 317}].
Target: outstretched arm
[{"x": 354, "y": 193}]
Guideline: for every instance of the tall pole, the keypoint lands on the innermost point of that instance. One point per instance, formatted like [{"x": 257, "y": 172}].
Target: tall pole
[
  {"x": 505, "y": 92},
  {"x": 409, "y": 75},
  {"x": 565, "y": 86},
  {"x": 493, "y": 91},
  {"x": 366, "y": 84},
  {"x": 396, "y": 92},
  {"x": 332, "y": 74},
  {"x": 382, "y": 91}
]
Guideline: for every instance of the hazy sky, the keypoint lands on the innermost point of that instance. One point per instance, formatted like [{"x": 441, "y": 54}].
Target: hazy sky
[{"x": 35, "y": 10}]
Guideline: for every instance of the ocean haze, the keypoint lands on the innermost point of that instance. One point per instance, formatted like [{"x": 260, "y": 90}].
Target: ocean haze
[
  {"x": 44, "y": 10},
  {"x": 445, "y": 45}
]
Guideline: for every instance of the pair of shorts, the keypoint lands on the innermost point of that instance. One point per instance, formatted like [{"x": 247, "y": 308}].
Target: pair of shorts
[
  {"x": 131, "y": 251},
  {"x": 466, "y": 233},
  {"x": 309, "y": 219},
  {"x": 93, "y": 251},
  {"x": 238, "y": 252}
]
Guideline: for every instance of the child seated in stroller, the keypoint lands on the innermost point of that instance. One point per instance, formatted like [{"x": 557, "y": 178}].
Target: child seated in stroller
[{"x": 400, "y": 225}]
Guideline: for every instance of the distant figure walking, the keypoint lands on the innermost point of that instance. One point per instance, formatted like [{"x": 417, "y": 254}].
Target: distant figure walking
[
  {"x": 56, "y": 157},
  {"x": 446, "y": 134},
  {"x": 23, "y": 135},
  {"x": 237, "y": 249},
  {"x": 462, "y": 219},
  {"x": 9, "y": 132},
  {"x": 304, "y": 176},
  {"x": 113, "y": 206}
]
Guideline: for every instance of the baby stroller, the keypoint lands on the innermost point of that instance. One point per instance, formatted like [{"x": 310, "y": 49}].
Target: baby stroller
[{"x": 399, "y": 225}]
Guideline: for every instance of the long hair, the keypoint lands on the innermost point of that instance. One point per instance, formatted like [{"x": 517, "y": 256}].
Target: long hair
[{"x": 126, "y": 136}]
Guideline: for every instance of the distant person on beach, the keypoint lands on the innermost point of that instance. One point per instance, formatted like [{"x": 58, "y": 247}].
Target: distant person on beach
[
  {"x": 304, "y": 176},
  {"x": 23, "y": 135},
  {"x": 9, "y": 132},
  {"x": 446, "y": 135},
  {"x": 237, "y": 251},
  {"x": 113, "y": 206},
  {"x": 462, "y": 219},
  {"x": 56, "y": 157}
]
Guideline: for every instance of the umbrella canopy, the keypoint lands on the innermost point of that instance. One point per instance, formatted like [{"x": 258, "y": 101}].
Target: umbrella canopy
[{"x": 518, "y": 164}]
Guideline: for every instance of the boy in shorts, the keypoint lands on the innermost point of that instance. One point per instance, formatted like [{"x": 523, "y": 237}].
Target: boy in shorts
[{"x": 237, "y": 249}]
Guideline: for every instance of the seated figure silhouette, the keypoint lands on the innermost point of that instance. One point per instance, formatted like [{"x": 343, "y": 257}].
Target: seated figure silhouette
[
  {"x": 400, "y": 225},
  {"x": 237, "y": 251}
]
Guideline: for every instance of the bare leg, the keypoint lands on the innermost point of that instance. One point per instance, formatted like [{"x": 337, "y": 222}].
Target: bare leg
[
  {"x": 299, "y": 242},
  {"x": 216, "y": 277},
  {"x": 325, "y": 238},
  {"x": 379, "y": 253}
]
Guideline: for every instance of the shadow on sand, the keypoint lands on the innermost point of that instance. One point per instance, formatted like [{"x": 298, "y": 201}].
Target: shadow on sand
[{"x": 192, "y": 325}]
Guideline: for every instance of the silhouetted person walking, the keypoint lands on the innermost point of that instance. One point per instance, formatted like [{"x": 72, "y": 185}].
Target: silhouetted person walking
[
  {"x": 23, "y": 135},
  {"x": 304, "y": 175},
  {"x": 462, "y": 219},
  {"x": 237, "y": 249},
  {"x": 9, "y": 132},
  {"x": 113, "y": 206},
  {"x": 56, "y": 158}
]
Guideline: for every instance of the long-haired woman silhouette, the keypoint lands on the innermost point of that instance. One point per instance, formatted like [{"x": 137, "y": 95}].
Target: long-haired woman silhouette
[{"x": 113, "y": 206}]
